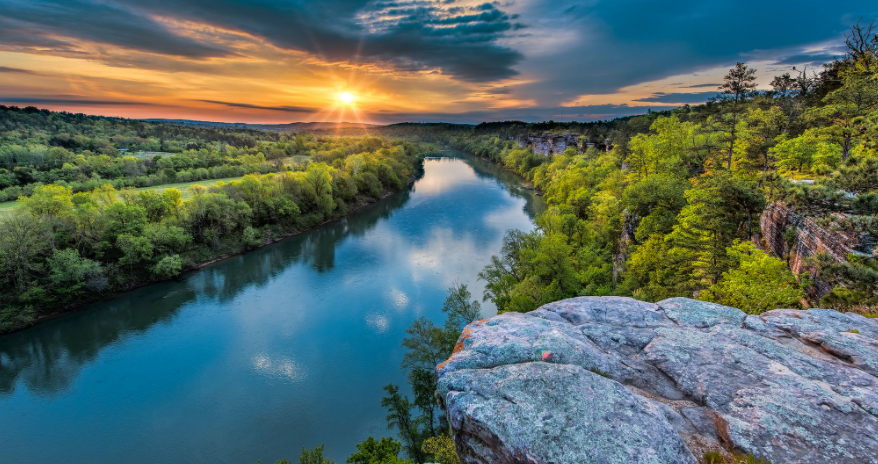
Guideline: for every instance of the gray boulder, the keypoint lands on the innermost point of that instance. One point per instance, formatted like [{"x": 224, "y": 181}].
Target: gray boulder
[{"x": 615, "y": 380}]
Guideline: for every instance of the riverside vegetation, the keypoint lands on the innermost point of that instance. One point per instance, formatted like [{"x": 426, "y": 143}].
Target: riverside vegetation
[
  {"x": 83, "y": 231},
  {"x": 687, "y": 188}
]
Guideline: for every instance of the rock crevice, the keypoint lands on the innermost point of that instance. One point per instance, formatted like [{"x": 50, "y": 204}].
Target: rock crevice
[{"x": 616, "y": 380}]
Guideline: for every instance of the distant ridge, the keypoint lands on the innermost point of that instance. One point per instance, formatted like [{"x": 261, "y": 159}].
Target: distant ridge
[{"x": 290, "y": 127}]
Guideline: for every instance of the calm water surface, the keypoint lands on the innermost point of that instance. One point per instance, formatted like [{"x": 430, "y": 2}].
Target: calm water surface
[{"x": 254, "y": 357}]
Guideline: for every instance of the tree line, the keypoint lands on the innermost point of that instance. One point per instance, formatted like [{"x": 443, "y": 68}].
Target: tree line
[{"x": 62, "y": 248}]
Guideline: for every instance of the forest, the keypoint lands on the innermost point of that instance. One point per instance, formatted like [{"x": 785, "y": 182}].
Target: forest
[
  {"x": 79, "y": 228},
  {"x": 686, "y": 188}
]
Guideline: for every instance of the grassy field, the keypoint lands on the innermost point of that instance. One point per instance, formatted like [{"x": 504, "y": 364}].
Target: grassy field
[
  {"x": 295, "y": 159},
  {"x": 148, "y": 154},
  {"x": 7, "y": 207},
  {"x": 183, "y": 187}
]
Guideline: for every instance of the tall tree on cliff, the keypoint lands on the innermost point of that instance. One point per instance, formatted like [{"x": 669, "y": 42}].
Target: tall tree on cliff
[{"x": 739, "y": 84}]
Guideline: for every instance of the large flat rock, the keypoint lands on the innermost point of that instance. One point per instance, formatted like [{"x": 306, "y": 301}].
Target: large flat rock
[{"x": 616, "y": 380}]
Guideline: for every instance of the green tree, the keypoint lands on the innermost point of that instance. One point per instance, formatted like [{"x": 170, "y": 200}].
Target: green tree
[
  {"x": 71, "y": 274},
  {"x": 663, "y": 151},
  {"x": 844, "y": 117},
  {"x": 740, "y": 83},
  {"x": 135, "y": 250},
  {"x": 506, "y": 270},
  {"x": 757, "y": 282},
  {"x": 314, "y": 456},
  {"x": 656, "y": 200},
  {"x": 807, "y": 152},
  {"x": 372, "y": 451},
  {"x": 318, "y": 185},
  {"x": 168, "y": 266},
  {"x": 855, "y": 282},
  {"x": 49, "y": 202},
  {"x": 399, "y": 416},
  {"x": 720, "y": 208},
  {"x": 459, "y": 308},
  {"x": 121, "y": 219}
]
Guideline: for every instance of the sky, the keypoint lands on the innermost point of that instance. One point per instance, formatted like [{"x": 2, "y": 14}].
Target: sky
[{"x": 385, "y": 61}]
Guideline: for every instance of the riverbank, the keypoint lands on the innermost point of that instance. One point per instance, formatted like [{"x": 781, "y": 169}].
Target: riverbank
[{"x": 362, "y": 203}]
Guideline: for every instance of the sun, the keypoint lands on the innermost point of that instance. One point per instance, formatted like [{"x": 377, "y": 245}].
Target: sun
[{"x": 346, "y": 97}]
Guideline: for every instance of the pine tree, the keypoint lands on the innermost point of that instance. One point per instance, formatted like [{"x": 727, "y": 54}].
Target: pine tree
[{"x": 740, "y": 84}]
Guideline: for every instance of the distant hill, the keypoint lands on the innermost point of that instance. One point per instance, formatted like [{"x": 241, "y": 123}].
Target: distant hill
[{"x": 290, "y": 127}]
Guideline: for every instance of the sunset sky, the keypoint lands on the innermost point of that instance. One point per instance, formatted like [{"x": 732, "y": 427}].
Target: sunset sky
[{"x": 444, "y": 60}]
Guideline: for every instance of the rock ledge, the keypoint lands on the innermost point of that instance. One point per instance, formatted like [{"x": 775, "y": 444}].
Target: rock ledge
[{"x": 615, "y": 380}]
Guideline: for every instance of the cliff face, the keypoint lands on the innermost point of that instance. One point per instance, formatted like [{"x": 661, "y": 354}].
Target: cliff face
[
  {"x": 795, "y": 237},
  {"x": 548, "y": 144},
  {"x": 615, "y": 380}
]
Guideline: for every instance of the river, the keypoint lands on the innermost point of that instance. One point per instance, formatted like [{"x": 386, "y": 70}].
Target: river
[{"x": 254, "y": 357}]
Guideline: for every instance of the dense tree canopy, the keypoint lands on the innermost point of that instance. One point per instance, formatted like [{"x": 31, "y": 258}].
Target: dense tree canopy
[{"x": 70, "y": 242}]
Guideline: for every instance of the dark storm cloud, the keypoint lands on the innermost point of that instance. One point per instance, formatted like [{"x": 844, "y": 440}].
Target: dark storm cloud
[
  {"x": 425, "y": 37},
  {"x": 288, "y": 109},
  {"x": 682, "y": 98},
  {"x": 93, "y": 21}
]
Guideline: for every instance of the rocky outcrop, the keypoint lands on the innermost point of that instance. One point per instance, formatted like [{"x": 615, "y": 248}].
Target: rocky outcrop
[
  {"x": 548, "y": 144},
  {"x": 796, "y": 237},
  {"x": 616, "y": 380}
]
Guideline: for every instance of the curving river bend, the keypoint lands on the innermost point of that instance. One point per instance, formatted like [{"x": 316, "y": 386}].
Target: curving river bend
[{"x": 258, "y": 355}]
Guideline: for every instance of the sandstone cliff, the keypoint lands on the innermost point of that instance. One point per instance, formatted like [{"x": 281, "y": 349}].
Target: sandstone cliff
[
  {"x": 548, "y": 144},
  {"x": 615, "y": 380},
  {"x": 795, "y": 237}
]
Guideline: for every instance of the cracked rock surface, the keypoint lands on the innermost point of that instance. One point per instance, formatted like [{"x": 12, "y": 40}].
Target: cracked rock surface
[{"x": 616, "y": 380}]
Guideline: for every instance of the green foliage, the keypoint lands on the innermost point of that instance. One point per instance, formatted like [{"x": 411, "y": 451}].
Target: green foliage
[
  {"x": 252, "y": 237},
  {"x": 459, "y": 308},
  {"x": 168, "y": 267},
  {"x": 720, "y": 208},
  {"x": 442, "y": 448},
  {"x": 756, "y": 282},
  {"x": 427, "y": 346},
  {"x": 659, "y": 214},
  {"x": 314, "y": 456},
  {"x": 71, "y": 274},
  {"x": 70, "y": 243},
  {"x": 807, "y": 153},
  {"x": 656, "y": 200},
  {"x": 371, "y": 451},
  {"x": 399, "y": 416},
  {"x": 855, "y": 282}
]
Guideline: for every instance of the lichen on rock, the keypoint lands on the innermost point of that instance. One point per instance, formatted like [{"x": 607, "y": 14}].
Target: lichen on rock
[{"x": 633, "y": 382}]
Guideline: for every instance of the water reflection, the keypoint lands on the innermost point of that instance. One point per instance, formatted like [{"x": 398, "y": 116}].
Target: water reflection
[{"x": 251, "y": 358}]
